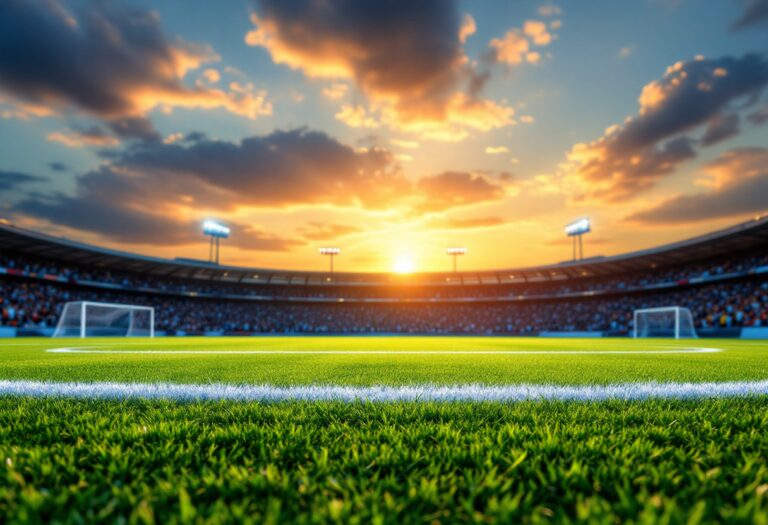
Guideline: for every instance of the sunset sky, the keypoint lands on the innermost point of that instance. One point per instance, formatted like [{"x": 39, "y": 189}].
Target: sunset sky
[{"x": 392, "y": 129}]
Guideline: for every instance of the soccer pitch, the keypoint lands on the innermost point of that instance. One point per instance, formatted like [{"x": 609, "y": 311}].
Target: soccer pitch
[
  {"x": 390, "y": 361},
  {"x": 293, "y": 429}
]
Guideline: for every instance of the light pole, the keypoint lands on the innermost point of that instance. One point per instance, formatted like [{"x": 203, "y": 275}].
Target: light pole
[
  {"x": 330, "y": 251},
  {"x": 455, "y": 253},
  {"x": 576, "y": 230},
  {"x": 216, "y": 231}
]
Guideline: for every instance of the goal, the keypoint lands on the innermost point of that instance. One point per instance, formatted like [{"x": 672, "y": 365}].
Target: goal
[
  {"x": 669, "y": 321},
  {"x": 91, "y": 319}
]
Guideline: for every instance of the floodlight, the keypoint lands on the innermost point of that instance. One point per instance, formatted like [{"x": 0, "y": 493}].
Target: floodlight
[
  {"x": 215, "y": 229},
  {"x": 579, "y": 227},
  {"x": 454, "y": 253},
  {"x": 330, "y": 251},
  {"x": 576, "y": 230}
]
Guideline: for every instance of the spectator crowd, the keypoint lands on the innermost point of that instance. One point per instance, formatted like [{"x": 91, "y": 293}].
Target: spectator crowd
[{"x": 29, "y": 303}]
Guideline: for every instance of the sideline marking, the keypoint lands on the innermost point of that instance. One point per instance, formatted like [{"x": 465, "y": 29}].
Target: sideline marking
[
  {"x": 382, "y": 394},
  {"x": 99, "y": 350}
]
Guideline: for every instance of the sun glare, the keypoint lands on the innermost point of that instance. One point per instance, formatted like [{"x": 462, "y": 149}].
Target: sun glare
[{"x": 404, "y": 263}]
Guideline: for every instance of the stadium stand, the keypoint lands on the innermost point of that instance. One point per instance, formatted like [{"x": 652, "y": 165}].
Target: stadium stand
[{"x": 722, "y": 277}]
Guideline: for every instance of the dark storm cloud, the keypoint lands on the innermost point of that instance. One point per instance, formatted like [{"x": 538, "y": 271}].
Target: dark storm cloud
[
  {"x": 10, "y": 180},
  {"x": 107, "y": 60},
  {"x": 118, "y": 222},
  {"x": 404, "y": 55},
  {"x": 739, "y": 180},
  {"x": 283, "y": 168},
  {"x": 755, "y": 14},
  {"x": 388, "y": 46},
  {"x": 721, "y": 128},
  {"x": 691, "y": 95},
  {"x": 134, "y": 128}
]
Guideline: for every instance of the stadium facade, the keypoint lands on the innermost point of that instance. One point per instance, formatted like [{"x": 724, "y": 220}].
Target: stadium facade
[{"x": 721, "y": 276}]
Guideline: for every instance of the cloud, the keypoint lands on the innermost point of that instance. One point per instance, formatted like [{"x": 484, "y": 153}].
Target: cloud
[
  {"x": 701, "y": 94},
  {"x": 452, "y": 189},
  {"x": 516, "y": 46},
  {"x": 356, "y": 117},
  {"x": 738, "y": 187},
  {"x": 105, "y": 60},
  {"x": 93, "y": 136},
  {"x": 405, "y": 57},
  {"x": 10, "y": 180},
  {"x": 496, "y": 150},
  {"x": 119, "y": 223},
  {"x": 755, "y": 14},
  {"x": 156, "y": 192},
  {"x": 468, "y": 28},
  {"x": 284, "y": 168},
  {"x": 336, "y": 91},
  {"x": 720, "y": 128}
]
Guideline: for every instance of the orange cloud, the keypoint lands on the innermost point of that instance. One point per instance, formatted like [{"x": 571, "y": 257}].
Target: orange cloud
[
  {"x": 468, "y": 28},
  {"x": 78, "y": 139},
  {"x": 410, "y": 65},
  {"x": 515, "y": 47}
]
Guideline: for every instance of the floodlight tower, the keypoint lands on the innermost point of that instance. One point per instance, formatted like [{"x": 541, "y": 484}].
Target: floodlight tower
[
  {"x": 217, "y": 232},
  {"x": 576, "y": 230},
  {"x": 455, "y": 253},
  {"x": 330, "y": 251}
]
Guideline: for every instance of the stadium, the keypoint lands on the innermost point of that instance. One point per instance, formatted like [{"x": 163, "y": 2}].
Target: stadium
[
  {"x": 719, "y": 277},
  {"x": 383, "y": 262}
]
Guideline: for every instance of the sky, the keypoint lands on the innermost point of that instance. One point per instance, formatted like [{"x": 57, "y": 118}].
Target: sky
[{"x": 392, "y": 129}]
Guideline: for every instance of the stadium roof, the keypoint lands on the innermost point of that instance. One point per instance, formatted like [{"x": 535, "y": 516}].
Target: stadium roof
[{"x": 745, "y": 236}]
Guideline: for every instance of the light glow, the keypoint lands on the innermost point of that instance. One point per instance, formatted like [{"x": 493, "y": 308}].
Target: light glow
[{"x": 404, "y": 263}]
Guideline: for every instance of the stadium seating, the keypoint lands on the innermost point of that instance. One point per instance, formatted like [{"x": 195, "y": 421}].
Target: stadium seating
[{"x": 724, "y": 292}]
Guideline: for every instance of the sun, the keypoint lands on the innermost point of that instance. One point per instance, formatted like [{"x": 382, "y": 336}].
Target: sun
[{"x": 404, "y": 263}]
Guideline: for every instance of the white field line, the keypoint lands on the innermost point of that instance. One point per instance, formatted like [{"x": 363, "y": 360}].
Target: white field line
[
  {"x": 100, "y": 350},
  {"x": 379, "y": 394}
]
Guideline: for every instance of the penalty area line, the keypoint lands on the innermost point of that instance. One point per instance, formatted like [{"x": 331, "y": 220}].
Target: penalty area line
[
  {"x": 382, "y": 393},
  {"x": 101, "y": 350}
]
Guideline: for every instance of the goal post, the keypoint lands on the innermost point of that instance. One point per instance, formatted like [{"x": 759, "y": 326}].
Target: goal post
[
  {"x": 94, "y": 319},
  {"x": 669, "y": 321}
]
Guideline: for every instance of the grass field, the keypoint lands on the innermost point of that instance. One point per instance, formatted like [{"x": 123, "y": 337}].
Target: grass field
[
  {"x": 659, "y": 460},
  {"x": 383, "y": 360}
]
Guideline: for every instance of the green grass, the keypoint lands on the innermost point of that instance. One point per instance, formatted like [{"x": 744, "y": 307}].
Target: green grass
[
  {"x": 740, "y": 360},
  {"x": 656, "y": 461},
  {"x": 535, "y": 462}
]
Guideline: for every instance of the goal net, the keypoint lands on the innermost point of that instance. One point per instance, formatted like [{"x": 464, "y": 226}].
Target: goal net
[
  {"x": 670, "y": 321},
  {"x": 90, "y": 319}
]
